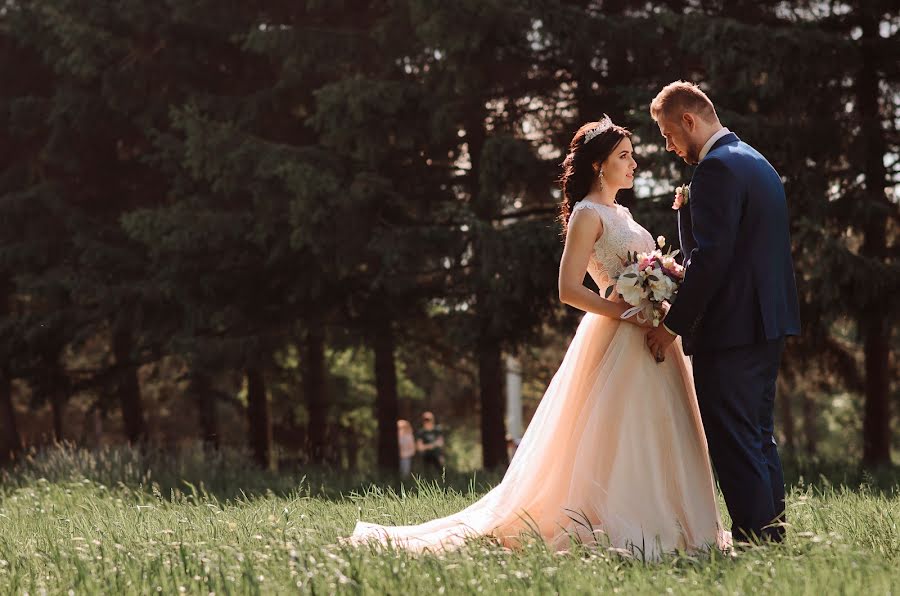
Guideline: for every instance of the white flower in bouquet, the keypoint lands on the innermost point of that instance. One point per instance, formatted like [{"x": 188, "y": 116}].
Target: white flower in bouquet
[
  {"x": 630, "y": 286},
  {"x": 662, "y": 287}
]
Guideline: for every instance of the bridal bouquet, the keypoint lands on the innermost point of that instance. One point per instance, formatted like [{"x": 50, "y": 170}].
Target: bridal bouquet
[{"x": 646, "y": 281}]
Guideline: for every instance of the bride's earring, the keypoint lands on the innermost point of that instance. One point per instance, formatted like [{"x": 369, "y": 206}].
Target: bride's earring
[{"x": 600, "y": 178}]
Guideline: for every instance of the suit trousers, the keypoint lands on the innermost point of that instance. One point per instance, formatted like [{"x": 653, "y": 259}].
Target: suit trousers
[{"x": 736, "y": 395}]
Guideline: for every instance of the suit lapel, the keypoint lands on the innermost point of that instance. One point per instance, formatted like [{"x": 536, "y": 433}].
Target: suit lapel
[{"x": 685, "y": 229}]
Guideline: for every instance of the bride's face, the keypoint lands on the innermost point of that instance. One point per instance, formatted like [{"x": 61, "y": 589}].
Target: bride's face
[{"x": 618, "y": 169}]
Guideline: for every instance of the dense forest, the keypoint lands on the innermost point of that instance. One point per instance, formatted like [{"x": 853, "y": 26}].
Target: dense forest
[{"x": 282, "y": 226}]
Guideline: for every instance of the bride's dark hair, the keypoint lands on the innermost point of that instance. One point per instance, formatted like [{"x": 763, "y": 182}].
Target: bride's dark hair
[{"x": 578, "y": 166}]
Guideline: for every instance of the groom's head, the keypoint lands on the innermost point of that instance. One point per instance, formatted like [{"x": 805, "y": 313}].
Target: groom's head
[{"x": 686, "y": 118}]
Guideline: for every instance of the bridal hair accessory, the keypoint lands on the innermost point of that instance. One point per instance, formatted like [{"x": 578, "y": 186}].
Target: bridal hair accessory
[{"x": 602, "y": 126}]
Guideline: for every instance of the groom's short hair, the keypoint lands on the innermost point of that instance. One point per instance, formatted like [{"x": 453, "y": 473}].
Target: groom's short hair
[{"x": 679, "y": 97}]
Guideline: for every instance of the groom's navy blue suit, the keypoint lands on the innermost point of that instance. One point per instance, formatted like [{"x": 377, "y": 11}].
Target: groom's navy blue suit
[{"x": 733, "y": 311}]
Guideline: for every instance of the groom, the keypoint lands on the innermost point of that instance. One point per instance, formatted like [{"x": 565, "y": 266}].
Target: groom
[{"x": 737, "y": 303}]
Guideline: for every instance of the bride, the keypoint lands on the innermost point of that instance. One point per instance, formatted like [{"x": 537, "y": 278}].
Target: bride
[{"x": 615, "y": 453}]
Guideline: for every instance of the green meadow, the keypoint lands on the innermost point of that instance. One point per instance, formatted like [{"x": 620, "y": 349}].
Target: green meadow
[{"x": 123, "y": 522}]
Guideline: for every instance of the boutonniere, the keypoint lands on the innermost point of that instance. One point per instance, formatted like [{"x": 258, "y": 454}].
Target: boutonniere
[{"x": 682, "y": 196}]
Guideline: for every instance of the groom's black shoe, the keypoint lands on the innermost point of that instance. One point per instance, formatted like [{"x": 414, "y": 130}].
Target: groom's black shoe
[{"x": 771, "y": 534}]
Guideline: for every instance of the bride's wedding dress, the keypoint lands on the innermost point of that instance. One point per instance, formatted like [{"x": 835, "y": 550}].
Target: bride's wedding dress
[{"x": 615, "y": 453}]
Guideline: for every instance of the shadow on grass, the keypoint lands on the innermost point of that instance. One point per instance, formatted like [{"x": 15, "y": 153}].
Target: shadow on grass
[
  {"x": 225, "y": 474},
  {"x": 826, "y": 474},
  {"x": 228, "y": 474}
]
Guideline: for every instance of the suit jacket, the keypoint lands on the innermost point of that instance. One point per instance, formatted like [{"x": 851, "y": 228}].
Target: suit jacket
[{"x": 739, "y": 287}]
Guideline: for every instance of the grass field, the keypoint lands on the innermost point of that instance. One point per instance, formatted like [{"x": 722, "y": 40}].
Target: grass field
[{"x": 121, "y": 522}]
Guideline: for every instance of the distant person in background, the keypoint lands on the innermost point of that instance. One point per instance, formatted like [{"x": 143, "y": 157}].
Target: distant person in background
[
  {"x": 407, "y": 442},
  {"x": 512, "y": 444},
  {"x": 430, "y": 442}
]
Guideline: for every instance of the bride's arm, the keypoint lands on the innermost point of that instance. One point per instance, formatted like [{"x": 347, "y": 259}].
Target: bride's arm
[{"x": 585, "y": 228}]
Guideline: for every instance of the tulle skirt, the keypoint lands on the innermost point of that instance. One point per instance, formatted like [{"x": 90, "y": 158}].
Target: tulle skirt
[{"x": 615, "y": 455}]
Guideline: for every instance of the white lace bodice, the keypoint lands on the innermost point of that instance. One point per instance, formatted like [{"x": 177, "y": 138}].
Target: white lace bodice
[{"x": 621, "y": 234}]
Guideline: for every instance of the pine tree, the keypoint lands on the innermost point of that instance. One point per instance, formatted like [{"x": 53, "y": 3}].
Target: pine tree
[
  {"x": 477, "y": 58},
  {"x": 879, "y": 219},
  {"x": 390, "y": 237}
]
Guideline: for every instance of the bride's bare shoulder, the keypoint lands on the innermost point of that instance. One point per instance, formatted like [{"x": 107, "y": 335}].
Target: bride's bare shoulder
[{"x": 586, "y": 219}]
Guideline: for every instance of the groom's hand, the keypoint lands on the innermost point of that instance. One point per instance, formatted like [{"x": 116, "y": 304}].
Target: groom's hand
[{"x": 658, "y": 341}]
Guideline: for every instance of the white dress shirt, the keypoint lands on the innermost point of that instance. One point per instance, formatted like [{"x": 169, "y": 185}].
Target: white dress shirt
[{"x": 712, "y": 141}]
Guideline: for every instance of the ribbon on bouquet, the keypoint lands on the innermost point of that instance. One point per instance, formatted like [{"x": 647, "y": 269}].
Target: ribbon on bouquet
[{"x": 635, "y": 310}]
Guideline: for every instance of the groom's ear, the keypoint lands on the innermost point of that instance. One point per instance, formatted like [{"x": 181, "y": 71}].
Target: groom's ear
[{"x": 689, "y": 121}]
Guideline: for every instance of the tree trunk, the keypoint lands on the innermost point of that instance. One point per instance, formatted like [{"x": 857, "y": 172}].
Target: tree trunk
[
  {"x": 314, "y": 391},
  {"x": 96, "y": 429},
  {"x": 352, "y": 439},
  {"x": 488, "y": 352},
  {"x": 259, "y": 418},
  {"x": 10, "y": 442},
  {"x": 128, "y": 386},
  {"x": 787, "y": 423},
  {"x": 493, "y": 430},
  {"x": 205, "y": 402},
  {"x": 58, "y": 408},
  {"x": 875, "y": 328},
  {"x": 876, "y": 416},
  {"x": 810, "y": 418},
  {"x": 386, "y": 404}
]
